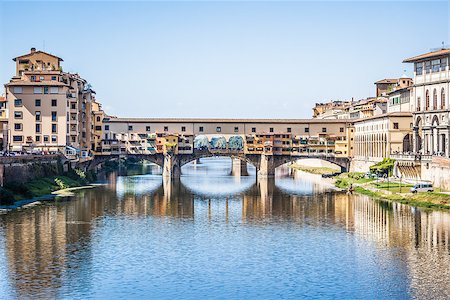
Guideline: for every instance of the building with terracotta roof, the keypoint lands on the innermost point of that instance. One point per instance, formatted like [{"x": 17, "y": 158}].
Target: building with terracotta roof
[
  {"x": 430, "y": 102},
  {"x": 49, "y": 109},
  {"x": 385, "y": 86}
]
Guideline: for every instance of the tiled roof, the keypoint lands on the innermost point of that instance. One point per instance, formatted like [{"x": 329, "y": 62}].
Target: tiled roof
[
  {"x": 427, "y": 55},
  {"x": 250, "y": 121},
  {"x": 387, "y": 81},
  {"x": 29, "y": 54}
]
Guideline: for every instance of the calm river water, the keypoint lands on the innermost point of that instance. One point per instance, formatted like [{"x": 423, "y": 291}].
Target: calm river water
[{"x": 215, "y": 236}]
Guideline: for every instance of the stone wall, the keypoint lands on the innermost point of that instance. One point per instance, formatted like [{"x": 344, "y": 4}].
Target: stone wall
[
  {"x": 21, "y": 170},
  {"x": 437, "y": 171},
  {"x": 357, "y": 165}
]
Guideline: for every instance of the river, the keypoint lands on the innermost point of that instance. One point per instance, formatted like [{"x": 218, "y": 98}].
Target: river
[{"x": 211, "y": 235}]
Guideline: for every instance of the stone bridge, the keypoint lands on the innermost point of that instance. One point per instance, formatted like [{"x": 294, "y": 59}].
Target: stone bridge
[{"x": 265, "y": 164}]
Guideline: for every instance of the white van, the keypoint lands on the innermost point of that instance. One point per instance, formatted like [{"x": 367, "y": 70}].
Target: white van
[{"x": 422, "y": 187}]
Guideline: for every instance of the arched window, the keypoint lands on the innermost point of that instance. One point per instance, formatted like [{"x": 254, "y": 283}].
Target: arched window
[
  {"x": 427, "y": 100},
  {"x": 435, "y": 99},
  {"x": 418, "y": 104},
  {"x": 442, "y": 98}
]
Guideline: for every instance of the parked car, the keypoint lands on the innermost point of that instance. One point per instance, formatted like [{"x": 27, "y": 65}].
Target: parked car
[{"x": 422, "y": 187}]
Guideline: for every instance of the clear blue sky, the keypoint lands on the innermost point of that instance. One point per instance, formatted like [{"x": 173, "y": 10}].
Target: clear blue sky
[{"x": 224, "y": 59}]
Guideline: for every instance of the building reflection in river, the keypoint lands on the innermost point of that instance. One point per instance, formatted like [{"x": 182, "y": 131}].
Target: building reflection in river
[{"x": 43, "y": 243}]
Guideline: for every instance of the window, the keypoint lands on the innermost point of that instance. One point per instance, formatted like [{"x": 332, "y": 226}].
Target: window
[
  {"x": 435, "y": 102},
  {"x": 54, "y": 90},
  {"x": 37, "y": 102},
  {"x": 435, "y": 65},
  {"x": 18, "y": 102},
  {"x": 18, "y": 115},
  {"x": 37, "y": 90},
  {"x": 341, "y": 129},
  {"x": 271, "y": 129},
  {"x": 54, "y": 139},
  {"x": 54, "y": 102},
  {"x": 253, "y": 129},
  {"x": 18, "y": 90},
  {"x": 324, "y": 129},
  {"x": 38, "y": 128},
  {"x": 18, "y": 126},
  {"x": 54, "y": 128},
  {"x": 306, "y": 129},
  {"x": 442, "y": 98},
  {"x": 33, "y": 78},
  {"x": 166, "y": 128},
  {"x": 130, "y": 127},
  {"x": 45, "y": 89},
  {"x": 289, "y": 129},
  {"x": 200, "y": 129},
  {"x": 38, "y": 138},
  {"x": 147, "y": 128},
  {"x": 41, "y": 78},
  {"x": 218, "y": 129},
  {"x": 17, "y": 138},
  {"x": 236, "y": 129},
  {"x": 54, "y": 78},
  {"x": 418, "y": 104},
  {"x": 73, "y": 106},
  {"x": 183, "y": 128},
  {"x": 45, "y": 138},
  {"x": 419, "y": 68},
  {"x": 38, "y": 116},
  {"x": 427, "y": 67},
  {"x": 395, "y": 125},
  {"x": 98, "y": 119},
  {"x": 54, "y": 116},
  {"x": 98, "y": 128},
  {"x": 427, "y": 100},
  {"x": 106, "y": 127}
]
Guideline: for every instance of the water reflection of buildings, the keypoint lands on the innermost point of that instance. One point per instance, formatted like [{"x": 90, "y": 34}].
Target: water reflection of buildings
[{"x": 43, "y": 243}]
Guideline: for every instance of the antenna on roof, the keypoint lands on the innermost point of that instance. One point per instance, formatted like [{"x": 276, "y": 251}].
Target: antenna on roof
[{"x": 443, "y": 47}]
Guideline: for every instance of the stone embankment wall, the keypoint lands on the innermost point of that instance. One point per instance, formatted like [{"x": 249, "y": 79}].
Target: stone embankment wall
[
  {"x": 357, "y": 165},
  {"x": 437, "y": 171},
  {"x": 27, "y": 168}
]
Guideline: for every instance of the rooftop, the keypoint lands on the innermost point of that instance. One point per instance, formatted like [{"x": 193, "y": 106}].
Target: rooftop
[
  {"x": 386, "y": 80},
  {"x": 440, "y": 52},
  {"x": 33, "y": 51},
  {"x": 249, "y": 121}
]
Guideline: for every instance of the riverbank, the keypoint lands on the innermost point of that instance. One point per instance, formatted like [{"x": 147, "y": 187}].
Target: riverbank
[
  {"x": 392, "y": 191},
  {"x": 18, "y": 193}
]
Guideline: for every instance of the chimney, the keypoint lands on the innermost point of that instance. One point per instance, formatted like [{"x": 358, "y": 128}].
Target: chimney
[{"x": 33, "y": 50}]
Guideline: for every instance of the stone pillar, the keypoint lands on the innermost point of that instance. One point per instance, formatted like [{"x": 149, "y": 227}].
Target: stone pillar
[
  {"x": 171, "y": 166},
  {"x": 266, "y": 166},
  {"x": 415, "y": 139},
  {"x": 238, "y": 167}
]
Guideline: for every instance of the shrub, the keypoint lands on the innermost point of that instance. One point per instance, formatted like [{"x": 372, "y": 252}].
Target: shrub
[
  {"x": 19, "y": 188},
  {"x": 61, "y": 184},
  {"x": 386, "y": 166},
  {"x": 6, "y": 197}
]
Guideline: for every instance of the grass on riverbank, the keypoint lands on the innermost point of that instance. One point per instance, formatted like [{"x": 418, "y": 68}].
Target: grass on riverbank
[
  {"x": 426, "y": 200},
  {"x": 314, "y": 170},
  {"x": 15, "y": 191},
  {"x": 344, "y": 180}
]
